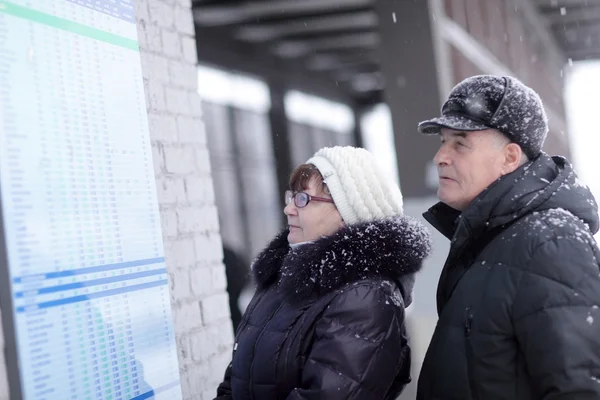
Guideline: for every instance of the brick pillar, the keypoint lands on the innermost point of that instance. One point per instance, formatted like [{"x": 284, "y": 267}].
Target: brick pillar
[{"x": 193, "y": 247}]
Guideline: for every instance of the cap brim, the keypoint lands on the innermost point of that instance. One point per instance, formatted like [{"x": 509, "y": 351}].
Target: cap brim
[{"x": 458, "y": 123}]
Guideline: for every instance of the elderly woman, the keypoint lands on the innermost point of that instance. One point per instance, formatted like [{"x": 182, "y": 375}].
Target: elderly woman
[{"x": 327, "y": 320}]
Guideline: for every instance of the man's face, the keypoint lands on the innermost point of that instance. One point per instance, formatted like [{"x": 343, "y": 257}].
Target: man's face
[{"x": 467, "y": 163}]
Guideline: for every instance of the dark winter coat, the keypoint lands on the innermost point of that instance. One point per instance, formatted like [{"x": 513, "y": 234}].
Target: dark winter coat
[
  {"x": 327, "y": 321},
  {"x": 518, "y": 296}
]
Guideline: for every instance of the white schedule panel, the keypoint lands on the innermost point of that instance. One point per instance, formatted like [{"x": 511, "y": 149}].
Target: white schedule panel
[{"x": 81, "y": 252}]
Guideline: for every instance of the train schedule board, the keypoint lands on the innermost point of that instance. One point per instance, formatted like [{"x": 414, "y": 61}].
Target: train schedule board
[{"x": 83, "y": 286}]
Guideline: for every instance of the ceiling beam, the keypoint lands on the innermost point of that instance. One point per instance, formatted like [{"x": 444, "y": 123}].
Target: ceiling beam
[
  {"x": 327, "y": 62},
  {"x": 587, "y": 53},
  {"x": 221, "y": 51},
  {"x": 572, "y": 15},
  {"x": 263, "y": 32},
  {"x": 573, "y": 35},
  {"x": 564, "y": 3},
  {"x": 297, "y": 48},
  {"x": 214, "y": 15}
]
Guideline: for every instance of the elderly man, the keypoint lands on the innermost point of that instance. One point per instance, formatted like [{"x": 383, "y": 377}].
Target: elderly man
[{"x": 519, "y": 293}]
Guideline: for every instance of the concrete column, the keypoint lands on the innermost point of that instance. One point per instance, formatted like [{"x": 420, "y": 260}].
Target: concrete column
[
  {"x": 358, "y": 111},
  {"x": 280, "y": 140},
  {"x": 412, "y": 90}
]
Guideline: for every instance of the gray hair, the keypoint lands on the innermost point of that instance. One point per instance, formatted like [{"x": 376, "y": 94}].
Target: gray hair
[{"x": 503, "y": 140}]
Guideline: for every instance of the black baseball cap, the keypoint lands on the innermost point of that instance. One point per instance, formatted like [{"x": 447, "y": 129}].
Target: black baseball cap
[{"x": 494, "y": 102}]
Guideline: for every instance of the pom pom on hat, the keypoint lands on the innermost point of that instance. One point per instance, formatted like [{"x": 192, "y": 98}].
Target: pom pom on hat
[{"x": 359, "y": 188}]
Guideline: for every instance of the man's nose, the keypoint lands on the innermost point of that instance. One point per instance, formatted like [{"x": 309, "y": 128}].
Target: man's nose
[{"x": 441, "y": 157}]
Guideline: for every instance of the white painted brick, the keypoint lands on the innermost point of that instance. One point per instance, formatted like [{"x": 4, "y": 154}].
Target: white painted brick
[
  {"x": 194, "y": 378},
  {"x": 203, "y": 160},
  {"x": 179, "y": 160},
  {"x": 191, "y": 219},
  {"x": 156, "y": 66},
  {"x": 155, "y": 95},
  {"x": 191, "y": 384},
  {"x": 177, "y": 101},
  {"x": 184, "y": 21},
  {"x": 227, "y": 336},
  {"x": 196, "y": 104},
  {"x": 215, "y": 307},
  {"x": 184, "y": 186},
  {"x": 218, "y": 365},
  {"x": 201, "y": 281},
  {"x": 211, "y": 341},
  {"x": 141, "y": 10},
  {"x": 209, "y": 247},
  {"x": 170, "y": 190},
  {"x": 153, "y": 38},
  {"x": 188, "y": 317},
  {"x": 180, "y": 285},
  {"x": 180, "y": 252},
  {"x": 210, "y": 219},
  {"x": 182, "y": 74},
  {"x": 185, "y": 3},
  {"x": 162, "y": 14},
  {"x": 191, "y": 130},
  {"x": 168, "y": 218},
  {"x": 184, "y": 352},
  {"x": 171, "y": 44},
  {"x": 208, "y": 394},
  {"x": 163, "y": 127},
  {"x": 188, "y": 47},
  {"x": 199, "y": 189},
  {"x": 141, "y": 34},
  {"x": 203, "y": 344},
  {"x": 219, "y": 278},
  {"x": 158, "y": 160}
]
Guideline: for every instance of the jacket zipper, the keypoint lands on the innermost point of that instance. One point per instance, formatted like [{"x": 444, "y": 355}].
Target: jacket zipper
[{"x": 469, "y": 353}]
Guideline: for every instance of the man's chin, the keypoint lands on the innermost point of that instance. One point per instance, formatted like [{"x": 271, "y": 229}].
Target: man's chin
[{"x": 447, "y": 199}]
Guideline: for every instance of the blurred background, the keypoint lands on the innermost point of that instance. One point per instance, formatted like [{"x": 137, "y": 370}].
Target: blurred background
[{"x": 280, "y": 79}]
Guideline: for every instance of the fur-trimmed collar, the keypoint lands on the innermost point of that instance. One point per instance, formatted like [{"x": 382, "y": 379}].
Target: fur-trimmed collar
[{"x": 387, "y": 249}]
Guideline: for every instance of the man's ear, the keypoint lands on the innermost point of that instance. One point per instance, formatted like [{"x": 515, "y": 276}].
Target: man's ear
[{"x": 512, "y": 158}]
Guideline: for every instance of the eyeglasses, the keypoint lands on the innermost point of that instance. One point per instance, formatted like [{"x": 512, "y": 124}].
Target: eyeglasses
[{"x": 301, "y": 199}]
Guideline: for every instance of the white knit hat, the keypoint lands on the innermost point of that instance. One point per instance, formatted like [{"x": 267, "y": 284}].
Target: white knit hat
[{"x": 359, "y": 188}]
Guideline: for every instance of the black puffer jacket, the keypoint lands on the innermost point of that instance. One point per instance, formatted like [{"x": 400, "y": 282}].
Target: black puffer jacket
[
  {"x": 327, "y": 321},
  {"x": 518, "y": 297}
]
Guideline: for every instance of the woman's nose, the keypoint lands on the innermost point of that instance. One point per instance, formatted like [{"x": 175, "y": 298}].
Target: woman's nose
[{"x": 290, "y": 209}]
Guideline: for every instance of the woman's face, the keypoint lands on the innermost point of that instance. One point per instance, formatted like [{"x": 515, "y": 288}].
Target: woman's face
[{"x": 313, "y": 221}]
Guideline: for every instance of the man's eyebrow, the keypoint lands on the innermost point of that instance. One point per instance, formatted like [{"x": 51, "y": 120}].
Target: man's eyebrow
[{"x": 456, "y": 134}]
